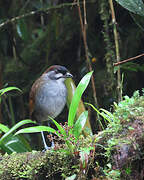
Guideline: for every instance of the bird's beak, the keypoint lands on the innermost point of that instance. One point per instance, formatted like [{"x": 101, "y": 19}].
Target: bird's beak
[{"x": 68, "y": 75}]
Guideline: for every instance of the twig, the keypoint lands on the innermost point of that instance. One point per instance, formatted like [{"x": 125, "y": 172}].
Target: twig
[
  {"x": 119, "y": 88},
  {"x": 83, "y": 28},
  {"x": 18, "y": 17},
  {"x": 127, "y": 60},
  {"x": 42, "y": 17},
  {"x": 36, "y": 12},
  {"x": 39, "y": 11}
]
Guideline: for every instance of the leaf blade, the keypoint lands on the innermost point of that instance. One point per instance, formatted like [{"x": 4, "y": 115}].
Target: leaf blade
[
  {"x": 80, "y": 123},
  {"x": 77, "y": 96},
  {"x": 4, "y": 90},
  {"x": 135, "y": 6},
  {"x": 36, "y": 129},
  {"x": 23, "y": 122}
]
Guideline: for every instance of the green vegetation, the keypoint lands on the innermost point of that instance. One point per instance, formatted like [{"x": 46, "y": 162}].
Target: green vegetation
[
  {"x": 103, "y": 141},
  {"x": 71, "y": 131},
  {"x": 9, "y": 143},
  {"x": 91, "y": 152}
]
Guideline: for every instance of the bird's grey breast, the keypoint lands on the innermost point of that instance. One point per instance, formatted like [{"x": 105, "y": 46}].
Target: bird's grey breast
[{"x": 51, "y": 99}]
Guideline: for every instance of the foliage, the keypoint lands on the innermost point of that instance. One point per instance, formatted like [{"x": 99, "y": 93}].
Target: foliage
[
  {"x": 112, "y": 174},
  {"x": 10, "y": 143},
  {"x": 45, "y": 36},
  {"x": 137, "y": 9},
  {"x": 41, "y": 34},
  {"x": 130, "y": 106},
  {"x": 125, "y": 112},
  {"x": 133, "y": 67},
  {"x": 5, "y": 90},
  {"x": 71, "y": 132},
  {"x": 135, "y": 6}
]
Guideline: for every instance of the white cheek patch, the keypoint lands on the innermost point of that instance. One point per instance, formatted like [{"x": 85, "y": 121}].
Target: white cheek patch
[{"x": 58, "y": 75}]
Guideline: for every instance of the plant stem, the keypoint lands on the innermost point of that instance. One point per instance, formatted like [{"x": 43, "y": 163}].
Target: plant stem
[
  {"x": 38, "y": 12},
  {"x": 127, "y": 60},
  {"x": 119, "y": 88},
  {"x": 84, "y": 35}
]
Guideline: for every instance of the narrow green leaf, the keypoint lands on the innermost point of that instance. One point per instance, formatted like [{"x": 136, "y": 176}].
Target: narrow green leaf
[
  {"x": 14, "y": 144},
  {"x": 73, "y": 177},
  {"x": 77, "y": 96},
  {"x": 111, "y": 116},
  {"x": 102, "y": 114},
  {"x": 84, "y": 156},
  {"x": 62, "y": 131},
  {"x": 2, "y": 91},
  {"x": 94, "y": 108},
  {"x": 23, "y": 122},
  {"x": 36, "y": 129},
  {"x": 81, "y": 108},
  {"x": 4, "y": 128},
  {"x": 80, "y": 123}
]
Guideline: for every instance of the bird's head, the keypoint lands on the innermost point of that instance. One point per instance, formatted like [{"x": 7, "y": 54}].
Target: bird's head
[{"x": 57, "y": 72}]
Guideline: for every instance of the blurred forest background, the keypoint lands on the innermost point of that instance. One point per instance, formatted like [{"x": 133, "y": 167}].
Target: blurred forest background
[{"x": 35, "y": 34}]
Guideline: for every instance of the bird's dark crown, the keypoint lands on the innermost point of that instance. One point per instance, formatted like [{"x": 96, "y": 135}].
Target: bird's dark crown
[{"x": 57, "y": 69}]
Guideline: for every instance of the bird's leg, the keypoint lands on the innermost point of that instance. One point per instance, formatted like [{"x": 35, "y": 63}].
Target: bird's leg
[{"x": 44, "y": 141}]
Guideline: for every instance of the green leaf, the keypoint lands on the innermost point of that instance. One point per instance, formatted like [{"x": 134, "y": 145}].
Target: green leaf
[
  {"x": 77, "y": 96},
  {"x": 73, "y": 177},
  {"x": 84, "y": 157},
  {"x": 102, "y": 114},
  {"x": 135, "y": 6},
  {"x": 23, "y": 122},
  {"x": 133, "y": 67},
  {"x": 36, "y": 129},
  {"x": 80, "y": 123},
  {"x": 4, "y": 128},
  {"x": 14, "y": 144},
  {"x": 109, "y": 114},
  {"x": 4, "y": 90},
  {"x": 81, "y": 108},
  {"x": 62, "y": 131}
]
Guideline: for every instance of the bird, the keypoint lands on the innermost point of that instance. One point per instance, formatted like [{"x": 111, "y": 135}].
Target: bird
[{"x": 48, "y": 96}]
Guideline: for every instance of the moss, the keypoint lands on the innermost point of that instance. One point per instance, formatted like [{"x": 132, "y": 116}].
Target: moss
[
  {"x": 117, "y": 151},
  {"x": 35, "y": 165}
]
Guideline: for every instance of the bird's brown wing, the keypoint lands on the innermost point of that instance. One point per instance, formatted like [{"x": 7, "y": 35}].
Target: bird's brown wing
[
  {"x": 31, "y": 102},
  {"x": 32, "y": 97}
]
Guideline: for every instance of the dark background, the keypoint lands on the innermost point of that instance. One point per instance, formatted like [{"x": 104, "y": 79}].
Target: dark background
[{"x": 31, "y": 44}]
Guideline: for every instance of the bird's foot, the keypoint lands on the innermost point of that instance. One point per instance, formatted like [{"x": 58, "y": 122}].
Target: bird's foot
[
  {"x": 46, "y": 147},
  {"x": 52, "y": 145}
]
